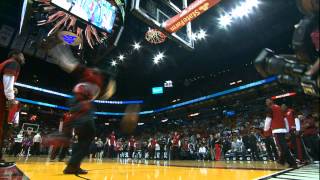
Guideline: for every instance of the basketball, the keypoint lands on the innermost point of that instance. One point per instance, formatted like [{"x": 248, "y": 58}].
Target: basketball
[{"x": 130, "y": 120}]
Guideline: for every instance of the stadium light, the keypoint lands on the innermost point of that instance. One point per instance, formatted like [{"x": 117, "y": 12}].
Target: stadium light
[
  {"x": 225, "y": 21},
  {"x": 121, "y": 57},
  {"x": 136, "y": 46},
  {"x": 114, "y": 63},
  {"x": 242, "y": 10},
  {"x": 157, "y": 58},
  {"x": 164, "y": 120},
  {"x": 202, "y": 34}
]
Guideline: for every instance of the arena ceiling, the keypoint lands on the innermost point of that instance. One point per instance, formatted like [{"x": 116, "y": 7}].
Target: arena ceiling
[{"x": 225, "y": 56}]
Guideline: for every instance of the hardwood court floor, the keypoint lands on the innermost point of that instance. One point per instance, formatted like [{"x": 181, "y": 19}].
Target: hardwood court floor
[{"x": 39, "y": 168}]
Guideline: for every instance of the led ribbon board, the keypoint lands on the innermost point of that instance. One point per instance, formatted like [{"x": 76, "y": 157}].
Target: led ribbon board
[
  {"x": 240, "y": 88},
  {"x": 251, "y": 85},
  {"x": 193, "y": 11},
  {"x": 69, "y": 96}
]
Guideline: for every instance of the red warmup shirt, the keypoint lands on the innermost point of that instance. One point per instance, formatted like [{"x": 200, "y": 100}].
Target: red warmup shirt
[
  {"x": 175, "y": 140},
  {"x": 132, "y": 141},
  {"x": 112, "y": 140},
  {"x": 153, "y": 143},
  {"x": 290, "y": 117},
  {"x": 277, "y": 118}
]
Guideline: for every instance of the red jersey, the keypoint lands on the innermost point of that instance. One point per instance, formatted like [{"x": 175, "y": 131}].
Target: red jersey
[
  {"x": 112, "y": 139},
  {"x": 277, "y": 118},
  {"x": 153, "y": 143},
  {"x": 175, "y": 140},
  {"x": 290, "y": 117},
  {"x": 132, "y": 142}
]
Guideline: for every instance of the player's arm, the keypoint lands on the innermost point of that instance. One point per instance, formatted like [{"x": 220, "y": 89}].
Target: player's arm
[
  {"x": 267, "y": 122},
  {"x": 8, "y": 83},
  {"x": 9, "y": 73},
  {"x": 298, "y": 125}
]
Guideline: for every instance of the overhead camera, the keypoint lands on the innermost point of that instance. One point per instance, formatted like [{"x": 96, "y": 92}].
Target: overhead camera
[{"x": 295, "y": 69}]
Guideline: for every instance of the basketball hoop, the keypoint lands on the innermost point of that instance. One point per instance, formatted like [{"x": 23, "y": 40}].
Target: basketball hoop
[{"x": 155, "y": 36}]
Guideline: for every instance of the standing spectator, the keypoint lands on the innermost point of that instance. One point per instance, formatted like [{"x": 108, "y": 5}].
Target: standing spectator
[
  {"x": 93, "y": 148},
  {"x": 157, "y": 151},
  {"x": 112, "y": 145},
  {"x": 36, "y": 143},
  {"x": 99, "y": 153},
  {"x": 253, "y": 145},
  {"x": 217, "y": 147},
  {"x": 9, "y": 73},
  {"x": 185, "y": 149},
  {"x": 106, "y": 148},
  {"x": 144, "y": 148},
  {"x": 152, "y": 147},
  {"x": 132, "y": 144},
  {"x": 176, "y": 144},
  {"x": 310, "y": 136},
  {"x": 211, "y": 146}
]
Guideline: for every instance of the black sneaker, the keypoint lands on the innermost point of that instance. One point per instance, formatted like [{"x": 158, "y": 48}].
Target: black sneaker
[
  {"x": 294, "y": 166},
  {"x": 72, "y": 170}
]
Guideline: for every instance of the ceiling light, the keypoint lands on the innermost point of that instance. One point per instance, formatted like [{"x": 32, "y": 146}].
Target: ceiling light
[
  {"x": 164, "y": 120},
  {"x": 114, "y": 63},
  {"x": 194, "y": 114},
  {"x": 121, "y": 57},
  {"x": 225, "y": 21},
  {"x": 155, "y": 61},
  {"x": 136, "y": 46},
  {"x": 140, "y": 124},
  {"x": 202, "y": 34},
  {"x": 252, "y": 3},
  {"x": 157, "y": 58},
  {"x": 241, "y": 11}
]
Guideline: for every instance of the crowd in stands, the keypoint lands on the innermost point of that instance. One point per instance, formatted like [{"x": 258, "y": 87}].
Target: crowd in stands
[{"x": 216, "y": 139}]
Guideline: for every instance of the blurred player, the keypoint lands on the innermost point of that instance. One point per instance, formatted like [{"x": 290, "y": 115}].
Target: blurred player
[{"x": 92, "y": 84}]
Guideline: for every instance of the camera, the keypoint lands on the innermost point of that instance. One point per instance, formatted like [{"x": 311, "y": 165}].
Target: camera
[{"x": 288, "y": 69}]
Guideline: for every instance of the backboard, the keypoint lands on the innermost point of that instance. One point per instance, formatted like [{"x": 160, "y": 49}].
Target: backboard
[
  {"x": 156, "y": 12},
  {"x": 28, "y": 127}
]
